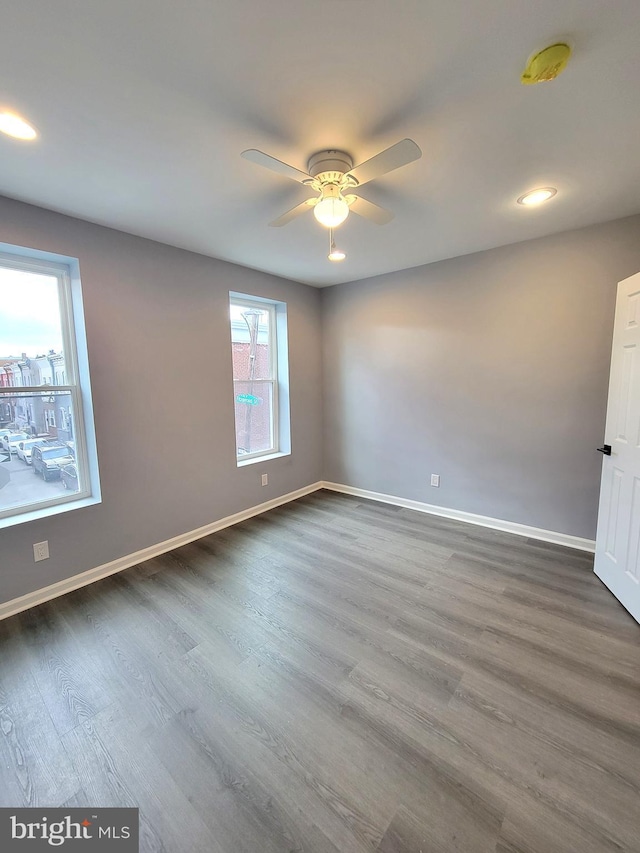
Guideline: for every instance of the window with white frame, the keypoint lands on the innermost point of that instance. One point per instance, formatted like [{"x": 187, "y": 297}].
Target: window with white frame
[
  {"x": 260, "y": 377},
  {"x": 43, "y": 368}
]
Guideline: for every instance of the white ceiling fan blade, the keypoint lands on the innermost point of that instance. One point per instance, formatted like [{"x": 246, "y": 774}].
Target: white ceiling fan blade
[
  {"x": 295, "y": 211},
  {"x": 386, "y": 161},
  {"x": 278, "y": 166},
  {"x": 368, "y": 209}
]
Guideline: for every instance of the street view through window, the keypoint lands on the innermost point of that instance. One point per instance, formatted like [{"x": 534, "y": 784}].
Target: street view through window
[
  {"x": 254, "y": 377},
  {"x": 37, "y": 441}
]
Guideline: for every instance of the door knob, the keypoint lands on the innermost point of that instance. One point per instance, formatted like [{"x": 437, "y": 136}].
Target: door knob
[{"x": 606, "y": 449}]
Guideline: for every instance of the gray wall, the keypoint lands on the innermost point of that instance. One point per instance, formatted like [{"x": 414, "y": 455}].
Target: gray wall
[
  {"x": 160, "y": 357},
  {"x": 490, "y": 369}
]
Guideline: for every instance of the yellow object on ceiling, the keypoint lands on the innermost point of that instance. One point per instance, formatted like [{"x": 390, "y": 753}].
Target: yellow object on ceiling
[{"x": 546, "y": 64}]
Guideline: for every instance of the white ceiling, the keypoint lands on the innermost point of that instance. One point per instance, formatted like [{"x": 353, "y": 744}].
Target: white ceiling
[{"x": 143, "y": 108}]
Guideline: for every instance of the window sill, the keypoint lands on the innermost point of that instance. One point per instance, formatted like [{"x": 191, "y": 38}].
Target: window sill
[
  {"x": 45, "y": 512},
  {"x": 242, "y": 463}
]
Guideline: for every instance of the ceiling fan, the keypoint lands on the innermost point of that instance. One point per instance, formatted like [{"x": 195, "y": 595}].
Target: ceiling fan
[{"x": 333, "y": 177}]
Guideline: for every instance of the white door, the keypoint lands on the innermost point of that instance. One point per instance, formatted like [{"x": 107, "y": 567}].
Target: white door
[{"x": 617, "y": 561}]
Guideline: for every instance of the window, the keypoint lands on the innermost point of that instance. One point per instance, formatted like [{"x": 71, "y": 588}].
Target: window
[
  {"x": 260, "y": 377},
  {"x": 43, "y": 371}
]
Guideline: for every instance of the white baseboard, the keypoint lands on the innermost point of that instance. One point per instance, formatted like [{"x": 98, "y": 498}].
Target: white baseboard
[
  {"x": 471, "y": 518},
  {"x": 39, "y": 596}
]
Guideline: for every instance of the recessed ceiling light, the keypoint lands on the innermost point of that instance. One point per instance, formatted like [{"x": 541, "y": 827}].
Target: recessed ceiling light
[
  {"x": 13, "y": 125},
  {"x": 537, "y": 196},
  {"x": 336, "y": 255}
]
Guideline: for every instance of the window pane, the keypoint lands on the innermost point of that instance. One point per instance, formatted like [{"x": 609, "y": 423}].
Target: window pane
[
  {"x": 251, "y": 343},
  {"x": 37, "y": 448},
  {"x": 30, "y": 330},
  {"x": 254, "y": 405}
]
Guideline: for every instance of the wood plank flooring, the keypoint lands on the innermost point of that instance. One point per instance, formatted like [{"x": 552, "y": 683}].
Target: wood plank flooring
[{"x": 335, "y": 676}]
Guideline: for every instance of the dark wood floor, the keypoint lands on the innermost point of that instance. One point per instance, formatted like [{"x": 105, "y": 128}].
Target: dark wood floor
[{"x": 335, "y": 675}]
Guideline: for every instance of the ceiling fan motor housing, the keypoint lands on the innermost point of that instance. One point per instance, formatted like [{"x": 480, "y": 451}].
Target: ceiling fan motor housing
[
  {"x": 328, "y": 167},
  {"x": 332, "y": 175}
]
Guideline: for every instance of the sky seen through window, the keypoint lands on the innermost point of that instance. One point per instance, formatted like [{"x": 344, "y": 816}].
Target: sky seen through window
[{"x": 29, "y": 314}]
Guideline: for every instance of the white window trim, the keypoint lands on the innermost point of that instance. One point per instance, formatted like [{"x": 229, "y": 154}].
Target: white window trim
[
  {"x": 66, "y": 271},
  {"x": 278, "y": 353},
  {"x": 245, "y": 459}
]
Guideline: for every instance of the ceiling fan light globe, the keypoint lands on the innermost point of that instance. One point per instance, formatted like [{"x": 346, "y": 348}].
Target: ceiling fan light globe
[{"x": 331, "y": 212}]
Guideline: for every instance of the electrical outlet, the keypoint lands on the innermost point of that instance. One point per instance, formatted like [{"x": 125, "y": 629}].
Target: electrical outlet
[
  {"x": 265, "y": 479},
  {"x": 40, "y": 551},
  {"x": 435, "y": 480}
]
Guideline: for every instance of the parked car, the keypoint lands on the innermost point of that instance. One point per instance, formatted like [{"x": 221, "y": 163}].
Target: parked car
[
  {"x": 48, "y": 459},
  {"x": 69, "y": 477},
  {"x": 11, "y": 441},
  {"x": 25, "y": 448}
]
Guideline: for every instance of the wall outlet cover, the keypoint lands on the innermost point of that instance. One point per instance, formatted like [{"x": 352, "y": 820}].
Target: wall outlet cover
[
  {"x": 435, "y": 480},
  {"x": 265, "y": 479},
  {"x": 41, "y": 551}
]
